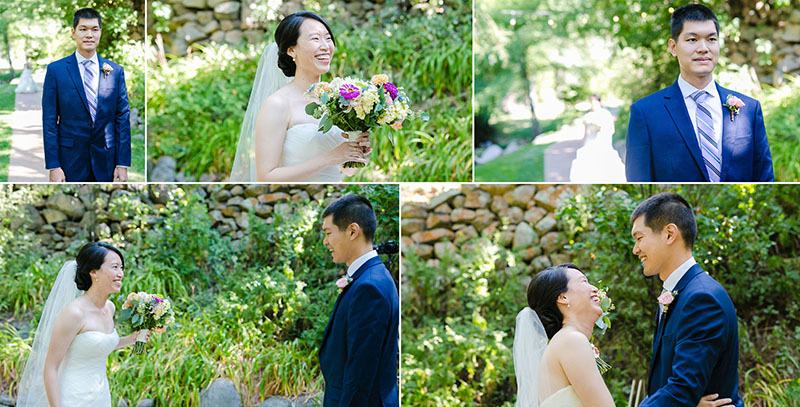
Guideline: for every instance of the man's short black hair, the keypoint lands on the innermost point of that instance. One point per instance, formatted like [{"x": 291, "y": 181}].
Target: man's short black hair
[
  {"x": 87, "y": 14},
  {"x": 691, "y": 12},
  {"x": 667, "y": 207},
  {"x": 353, "y": 208}
]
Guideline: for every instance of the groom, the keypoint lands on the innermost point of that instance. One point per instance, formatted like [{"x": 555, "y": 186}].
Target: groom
[
  {"x": 358, "y": 356},
  {"x": 85, "y": 114},
  {"x": 696, "y": 343},
  {"x": 696, "y": 130}
]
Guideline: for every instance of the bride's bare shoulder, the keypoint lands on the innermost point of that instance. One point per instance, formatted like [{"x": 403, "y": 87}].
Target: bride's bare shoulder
[
  {"x": 74, "y": 311},
  {"x": 568, "y": 339}
]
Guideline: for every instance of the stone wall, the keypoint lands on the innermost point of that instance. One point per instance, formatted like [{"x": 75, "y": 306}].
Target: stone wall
[
  {"x": 523, "y": 215},
  {"x": 782, "y": 28},
  {"x": 61, "y": 219}
]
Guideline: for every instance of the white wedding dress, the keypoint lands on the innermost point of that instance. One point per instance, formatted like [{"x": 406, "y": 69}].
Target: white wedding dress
[
  {"x": 597, "y": 161},
  {"x": 565, "y": 397},
  {"x": 82, "y": 374},
  {"x": 304, "y": 142}
]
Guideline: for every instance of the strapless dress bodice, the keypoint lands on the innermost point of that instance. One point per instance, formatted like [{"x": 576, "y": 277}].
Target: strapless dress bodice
[
  {"x": 304, "y": 142},
  {"x": 82, "y": 374},
  {"x": 565, "y": 397}
]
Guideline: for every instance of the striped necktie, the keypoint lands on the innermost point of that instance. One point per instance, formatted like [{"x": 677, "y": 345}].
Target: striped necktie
[
  {"x": 91, "y": 94},
  {"x": 705, "y": 135}
]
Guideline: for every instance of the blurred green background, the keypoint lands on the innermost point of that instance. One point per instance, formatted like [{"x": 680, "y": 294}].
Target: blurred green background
[
  {"x": 537, "y": 63},
  {"x": 197, "y": 101}
]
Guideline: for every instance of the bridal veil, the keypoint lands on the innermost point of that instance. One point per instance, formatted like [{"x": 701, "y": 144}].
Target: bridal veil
[{"x": 530, "y": 340}]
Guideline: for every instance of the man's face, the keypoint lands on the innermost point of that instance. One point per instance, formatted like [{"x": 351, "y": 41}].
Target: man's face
[
  {"x": 87, "y": 35},
  {"x": 337, "y": 241},
  {"x": 651, "y": 247},
  {"x": 697, "y": 48}
]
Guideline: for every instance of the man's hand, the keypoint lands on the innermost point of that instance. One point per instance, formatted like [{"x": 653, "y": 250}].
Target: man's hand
[
  {"x": 57, "y": 175},
  {"x": 120, "y": 175}
]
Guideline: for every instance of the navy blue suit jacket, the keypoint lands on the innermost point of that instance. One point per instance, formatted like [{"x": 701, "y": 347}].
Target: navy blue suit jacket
[
  {"x": 71, "y": 140},
  {"x": 358, "y": 356},
  {"x": 696, "y": 346},
  {"x": 662, "y": 146}
]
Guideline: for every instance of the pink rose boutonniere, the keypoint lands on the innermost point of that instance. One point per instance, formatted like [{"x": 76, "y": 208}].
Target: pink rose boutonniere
[
  {"x": 665, "y": 299},
  {"x": 106, "y": 69},
  {"x": 343, "y": 282},
  {"x": 733, "y": 104}
]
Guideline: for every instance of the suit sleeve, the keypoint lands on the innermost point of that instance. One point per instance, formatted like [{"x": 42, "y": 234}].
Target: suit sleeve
[
  {"x": 367, "y": 325},
  {"x": 50, "y": 119},
  {"x": 122, "y": 125},
  {"x": 762, "y": 160},
  {"x": 637, "y": 148},
  {"x": 698, "y": 345}
]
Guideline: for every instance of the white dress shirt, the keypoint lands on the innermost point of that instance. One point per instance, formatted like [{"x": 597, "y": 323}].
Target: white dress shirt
[
  {"x": 95, "y": 67},
  {"x": 355, "y": 265},
  {"x": 712, "y": 103},
  {"x": 675, "y": 277}
]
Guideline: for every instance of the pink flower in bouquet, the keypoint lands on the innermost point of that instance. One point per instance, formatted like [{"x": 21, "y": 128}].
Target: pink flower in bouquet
[
  {"x": 397, "y": 125},
  {"x": 389, "y": 87},
  {"x": 349, "y": 91}
]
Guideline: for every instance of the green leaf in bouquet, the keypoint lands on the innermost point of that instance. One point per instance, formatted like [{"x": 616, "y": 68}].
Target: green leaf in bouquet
[
  {"x": 136, "y": 320},
  {"x": 324, "y": 98},
  {"x": 605, "y": 303},
  {"x": 327, "y": 123},
  {"x": 311, "y": 108},
  {"x": 126, "y": 314},
  {"x": 391, "y": 139}
]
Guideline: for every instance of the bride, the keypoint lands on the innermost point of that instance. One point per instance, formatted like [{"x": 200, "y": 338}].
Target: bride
[
  {"x": 279, "y": 141},
  {"x": 562, "y": 308},
  {"x": 67, "y": 363}
]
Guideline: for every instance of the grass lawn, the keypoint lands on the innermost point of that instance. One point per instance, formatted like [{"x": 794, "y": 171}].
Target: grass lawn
[
  {"x": 136, "y": 172},
  {"x": 523, "y": 165},
  {"x": 6, "y": 108}
]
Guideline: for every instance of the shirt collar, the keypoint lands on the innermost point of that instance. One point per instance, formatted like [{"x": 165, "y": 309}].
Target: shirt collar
[
  {"x": 81, "y": 58},
  {"x": 675, "y": 277},
  {"x": 354, "y": 266},
  {"x": 687, "y": 89}
]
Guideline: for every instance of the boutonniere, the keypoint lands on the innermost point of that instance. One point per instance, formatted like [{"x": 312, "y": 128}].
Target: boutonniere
[
  {"x": 733, "y": 104},
  {"x": 601, "y": 364},
  {"x": 343, "y": 282},
  {"x": 665, "y": 299},
  {"x": 106, "y": 69}
]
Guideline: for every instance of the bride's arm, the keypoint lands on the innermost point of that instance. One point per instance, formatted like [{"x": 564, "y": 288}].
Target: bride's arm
[
  {"x": 67, "y": 325},
  {"x": 270, "y": 133},
  {"x": 577, "y": 360}
]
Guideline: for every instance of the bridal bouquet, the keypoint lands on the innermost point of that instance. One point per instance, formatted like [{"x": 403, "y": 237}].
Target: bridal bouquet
[
  {"x": 146, "y": 312},
  {"x": 356, "y": 105},
  {"x": 604, "y": 322}
]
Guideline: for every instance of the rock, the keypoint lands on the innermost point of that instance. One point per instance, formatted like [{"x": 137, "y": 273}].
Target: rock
[
  {"x": 216, "y": 216},
  {"x": 252, "y": 36},
  {"x": 308, "y": 400},
  {"x": 540, "y": 263},
  {"x": 445, "y": 249},
  {"x": 553, "y": 241},
  {"x": 411, "y": 226},
  {"x": 792, "y": 33},
  {"x": 191, "y": 32},
  {"x": 160, "y": 193},
  {"x": 520, "y": 196},
  {"x": 276, "y": 401},
  {"x": 437, "y": 220},
  {"x": 210, "y": 27},
  {"x": 273, "y": 197},
  {"x": 505, "y": 238},
  {"x": 234, "y": 37},
  {"x": 477, "y": 199},
  {"x": 412, "y": 210},
  {"x": 214, "y": 3},
  {"x": 547, "y": 224},
  {"x": 221, "y": 393},
  {"x": 217, "y": 36},
  {"x": 497, "y": 189},
  {"x": 204, "y": 17},
  {"x": 228, "y": 10},
  {"x": 5, "y": 400},
  {"x": 524, "y": 236},
  {"x": 458, "y": 201},
  {"x": 194, "y": 3},
  {"x": 444, "y": 197},
  {"x": 248, "y": 21},
  {"x": 243, "y": 220},
  {"x": 462, "y": 215},
  {"x": 263, "y": 211},
  {"x": 443, "y": 208},
  {"x": 559, "y": 258},
  {"x": 530, "y": 253},
  {"x": 533, "y": 215},
  {"x": 226, "y": 226},
  {"x": 184, "y": 18},
  {"x": 553, "y": 197},
  {"x": 164, "y": 170},
  {"x": 122, "y": 403},
  {"x": 489, "y": 154},
  {"x": 498, "y": 204},
  {"x": 69, "y": 205},
  {"x": 28, "y": 217},
  {"x": 145, "y": 403},
  {"x": 483, "y": 217},
  {"x": 253, "y": 191},
  {"x": 429, "y": 236},
  {"x": 466, "y": 234},
  {"x": 300, "y": 197},
  {"x": 226, "y": 25},
  {"x": 424, "y": 251},
  {"x": 52, "y": 216},
  {"x": 512, "y": 215},
  {"x": 787, "y": 65}
]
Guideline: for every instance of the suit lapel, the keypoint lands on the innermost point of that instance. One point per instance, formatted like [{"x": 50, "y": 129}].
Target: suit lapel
[
  {"x": 75, "y": 74},
  {"x": 103, "y": 80},
  {"x": 729, "y": 131},
  {"x": 676, "y": 107},
  {"x": 656, "y": 343}
]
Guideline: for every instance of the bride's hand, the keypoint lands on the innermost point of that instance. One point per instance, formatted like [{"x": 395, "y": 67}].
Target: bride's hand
[
  {"x": 146, "y": 336},
  {"x": 347, "y": 151},
  {"x": 364, "y": 143},
  {"x": 712, "y": 401}
]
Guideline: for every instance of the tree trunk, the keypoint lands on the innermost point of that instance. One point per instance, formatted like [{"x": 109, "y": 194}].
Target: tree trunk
[
  {"x": 535, "y": 128},
  {"x": 8, "y": 50}
]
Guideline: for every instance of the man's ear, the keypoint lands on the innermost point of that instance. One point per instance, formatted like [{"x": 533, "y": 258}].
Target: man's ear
[
  {"x": 672, "y": 233},
  {"x": 353, "y": 231},
  {"x": 671, "y": 44}
]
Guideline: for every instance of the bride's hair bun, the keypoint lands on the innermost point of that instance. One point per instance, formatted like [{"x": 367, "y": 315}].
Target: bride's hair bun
[
  {"x": 543, "y": 291},
  {"x": 286, "y": 37},
  {"x": 90, "y": 258}
]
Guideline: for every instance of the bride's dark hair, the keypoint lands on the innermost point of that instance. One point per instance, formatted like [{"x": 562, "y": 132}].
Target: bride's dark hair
[
  {"x": 90, "y": 258},
  {"x": 286, "y": 37},
  {"x": 543, "y": 291}
]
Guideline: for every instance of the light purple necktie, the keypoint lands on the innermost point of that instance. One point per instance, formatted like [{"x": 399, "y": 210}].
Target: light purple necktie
[
  {"x": 91, "y": 95},
  {"x": 705, "y": 135}
]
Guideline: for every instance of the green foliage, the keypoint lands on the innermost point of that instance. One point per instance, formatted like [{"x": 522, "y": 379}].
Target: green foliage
[
  {"x": 7, "y": 97},
  {"x": 197, "y": 105},
  {"x": 253, "y": 312},
  {"x": 524, "y": 165},
  {"x": 459, "y": 315},
  {"x": 782, "y": 119}
]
